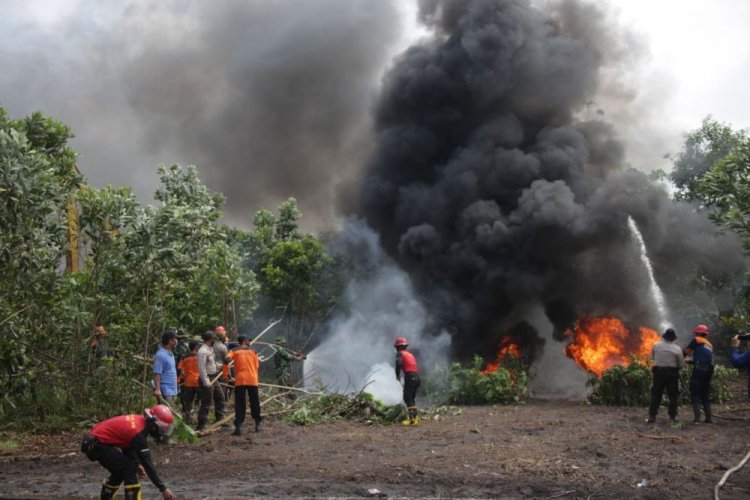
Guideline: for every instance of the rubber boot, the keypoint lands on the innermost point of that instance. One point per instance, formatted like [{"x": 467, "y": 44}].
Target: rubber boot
[
  {"x": 237, "y": 431},
  {"x": 133, "y": 491},
  {"x": 108, "y": 491},
  {"x": 696, "y": 413},
  {"x": 257, "y": 426},
  {"x": 413, "y": 419},
  {"x": 707, "y": 410},
  {"x": 413, "y": 415}
]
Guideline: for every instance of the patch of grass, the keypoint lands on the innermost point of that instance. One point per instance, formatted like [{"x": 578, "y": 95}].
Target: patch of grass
[{"x": 8, "y": 446}]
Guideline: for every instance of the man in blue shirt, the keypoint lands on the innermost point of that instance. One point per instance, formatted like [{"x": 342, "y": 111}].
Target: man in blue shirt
[
  {"x": 165, "y": 370},
  {"x": 741, "y": 360}
]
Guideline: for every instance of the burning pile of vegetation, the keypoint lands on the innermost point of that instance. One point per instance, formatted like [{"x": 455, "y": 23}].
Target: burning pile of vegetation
[
  {"x": 503, "y": 381},
  {"x": 600, "y": 343}
]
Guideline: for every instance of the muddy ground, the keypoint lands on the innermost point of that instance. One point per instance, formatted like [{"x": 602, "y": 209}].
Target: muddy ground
[{"x": 538, "y": 450}]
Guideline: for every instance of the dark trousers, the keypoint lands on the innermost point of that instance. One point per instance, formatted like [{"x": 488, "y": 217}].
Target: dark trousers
[
  {"x": 664, "y": 378},
  {"x": 189, "y": 395},
  {"x": 700, "y": 385},
  {"x": 121, "y": 468},
  {"x": 240, "y": 405},
  {"x": 207, "y": 394},
  {"x": 411, "y": 384}
]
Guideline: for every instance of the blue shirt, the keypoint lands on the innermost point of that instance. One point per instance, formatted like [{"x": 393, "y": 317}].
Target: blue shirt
[
  {"x": 703, "y": 351},
  {"x": 742, "y": 361},
  {"x": 164, "y": 366}
]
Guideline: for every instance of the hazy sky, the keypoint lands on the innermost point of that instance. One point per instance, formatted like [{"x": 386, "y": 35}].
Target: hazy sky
[{"x": 149, "y": 82}]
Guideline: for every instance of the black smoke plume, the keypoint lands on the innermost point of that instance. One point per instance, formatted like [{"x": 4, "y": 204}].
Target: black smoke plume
[
  {"x": 492, "y": 190},
  {"x": 269, "y": 99}
]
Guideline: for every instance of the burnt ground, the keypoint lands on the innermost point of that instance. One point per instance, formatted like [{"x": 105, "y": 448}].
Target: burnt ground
[{"x": 538, "y": 450}]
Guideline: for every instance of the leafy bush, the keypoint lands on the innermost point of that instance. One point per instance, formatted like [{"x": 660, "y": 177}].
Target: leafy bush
[
  {"x": 335, "y": 407},
  {"x": 458, "y": 384},
  {"x": 631, "y": 385},
  {"x": 628, "y": 385}
]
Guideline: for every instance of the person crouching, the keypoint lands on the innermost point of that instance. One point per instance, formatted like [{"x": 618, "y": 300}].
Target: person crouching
[{"x": 120, "y": 445}]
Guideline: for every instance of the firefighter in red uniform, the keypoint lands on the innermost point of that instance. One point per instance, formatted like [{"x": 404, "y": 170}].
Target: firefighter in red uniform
[
  {"x": 407, "y": 362},
  {"x": 133, "y": 458}
]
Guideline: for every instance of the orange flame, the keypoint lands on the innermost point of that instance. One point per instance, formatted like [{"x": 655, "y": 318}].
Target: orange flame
[
  {"x": 600, "y": 343},
  {"x": 508, "y": 349}
]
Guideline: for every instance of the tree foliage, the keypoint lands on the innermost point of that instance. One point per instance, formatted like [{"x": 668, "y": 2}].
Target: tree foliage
[
  {"x": 726, "y": 188},
  {"x": 295, "y": 271},
  {"x": 143, "y": 269},
  {"x": 703, "y": 147}
]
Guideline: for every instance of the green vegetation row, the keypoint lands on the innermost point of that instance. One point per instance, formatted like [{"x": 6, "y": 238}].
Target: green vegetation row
[
  {"x": 630, "y": 385},
  {"x": 143, "y": 269}
]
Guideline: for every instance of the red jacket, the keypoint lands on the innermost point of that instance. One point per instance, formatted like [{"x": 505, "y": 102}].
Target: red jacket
[
  {"x": 407, "y": 362},
  {"x": 119, "y": 431},
  {"x": 129, "y": 432}
]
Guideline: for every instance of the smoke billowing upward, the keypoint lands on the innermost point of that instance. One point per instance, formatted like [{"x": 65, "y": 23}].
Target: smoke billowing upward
[
  {"x": 379, "y": 305},
  {"x": 492, "y": 188},
  {"x": 270, "y": 99}
]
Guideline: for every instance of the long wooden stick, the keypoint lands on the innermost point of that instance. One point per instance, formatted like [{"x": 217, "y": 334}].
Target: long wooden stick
[
  {"x": 288, "y": 388},
  {"x": 729, "y": 473},
  {"x": 271, "y": 325}
]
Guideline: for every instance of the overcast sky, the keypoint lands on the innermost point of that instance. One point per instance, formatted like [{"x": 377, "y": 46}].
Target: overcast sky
[{"x": 272, "y": 99}]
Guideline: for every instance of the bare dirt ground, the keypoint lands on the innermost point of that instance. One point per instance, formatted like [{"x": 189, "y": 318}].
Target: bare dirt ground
[{"x": 537, "y": 450}]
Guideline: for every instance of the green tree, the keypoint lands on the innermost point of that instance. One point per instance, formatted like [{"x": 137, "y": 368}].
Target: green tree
[
  {"x": 37, "y": 176},
  {"x": 703, "y": 147},
  {"x": 726, "y": 188},
  {"x": 294, "y": 270}
]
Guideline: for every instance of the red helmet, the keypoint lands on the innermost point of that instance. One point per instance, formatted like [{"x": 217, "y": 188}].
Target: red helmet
[
  {"x": 401, "y": 341},
  {"x": 163, "y": 417},
  {"x": 701, "y": 329},
  {"x": 220, "y": 330}
]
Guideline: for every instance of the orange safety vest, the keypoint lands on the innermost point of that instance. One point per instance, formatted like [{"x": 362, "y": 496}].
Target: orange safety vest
[
  {"x": 189, "y": 370},
  {"x": 246, "y": 366}
]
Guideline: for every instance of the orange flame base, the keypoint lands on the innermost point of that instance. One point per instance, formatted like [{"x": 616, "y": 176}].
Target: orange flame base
[
  {"x": 508, "y": 350},
  {"x": 600, "y": 343}
]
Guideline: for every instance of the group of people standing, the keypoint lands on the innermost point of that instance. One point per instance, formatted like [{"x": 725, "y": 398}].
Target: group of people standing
[
  {"x": 208, "y": 369},
  {"x": 669, "y": 358}
]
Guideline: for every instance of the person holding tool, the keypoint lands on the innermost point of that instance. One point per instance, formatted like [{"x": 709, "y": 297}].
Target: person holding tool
[
  {"x": 246, "y": 366},
  {"x": 208, "y": 371}
]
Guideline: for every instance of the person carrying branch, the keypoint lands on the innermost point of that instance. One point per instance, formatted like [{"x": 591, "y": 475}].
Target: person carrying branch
[
  {"x": 282, "y": 362},
  {"x": 189, "y": 374},
  {"x": 407, "y": 362},
  {"x": 208, "y": 382},
  {"x": 246, "y": 366},
  {"x": 120, "y": 445}
]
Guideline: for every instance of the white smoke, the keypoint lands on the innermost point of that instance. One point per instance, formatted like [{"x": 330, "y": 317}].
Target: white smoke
[{"x": 379, "y": 306}]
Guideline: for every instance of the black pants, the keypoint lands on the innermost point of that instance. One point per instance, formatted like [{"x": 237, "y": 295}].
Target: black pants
[
  {"x": 411, "y": 384},
  {"x": 189, "y": 395},
  {"x": 700, "y": 385},
  {"x": 664, "y": 378},
  {"x": 207, "y": 394},
  {"x": 120, "y": 467},
  {"x": 240, "y": 406}
]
